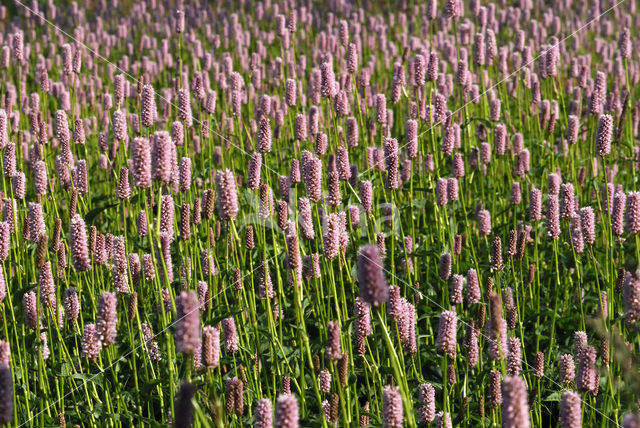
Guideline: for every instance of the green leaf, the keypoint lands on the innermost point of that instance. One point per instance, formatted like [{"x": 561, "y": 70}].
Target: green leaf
[
  {"x": 91, "y": 215},
  {"x": 482, "y": 120},
  {"x": 88, "y": 378},
  {"x": 554, "y": 396}
]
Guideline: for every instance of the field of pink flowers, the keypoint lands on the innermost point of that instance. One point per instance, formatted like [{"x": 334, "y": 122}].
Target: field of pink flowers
[{"x": 302, "y": 213}]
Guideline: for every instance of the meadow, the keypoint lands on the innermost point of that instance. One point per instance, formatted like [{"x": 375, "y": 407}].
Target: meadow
[{"x": 289, "y": 213}]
